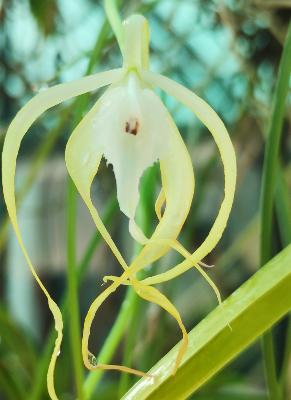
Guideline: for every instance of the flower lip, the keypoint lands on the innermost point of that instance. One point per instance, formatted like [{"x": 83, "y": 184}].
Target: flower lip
[{"x": 130, "y": 128}]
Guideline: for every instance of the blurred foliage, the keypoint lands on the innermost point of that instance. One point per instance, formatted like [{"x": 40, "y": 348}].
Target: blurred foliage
[
  {"x": 228, "y": 52},
  {"x": 45, "y": 12}
]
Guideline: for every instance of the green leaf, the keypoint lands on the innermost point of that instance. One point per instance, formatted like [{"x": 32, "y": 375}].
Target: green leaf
[{"x": 250, "y": 311}]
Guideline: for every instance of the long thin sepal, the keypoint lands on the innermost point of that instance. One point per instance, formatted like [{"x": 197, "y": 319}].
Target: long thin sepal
[
  {"x": 19, "y": 126},
  {"x": 153, "y": 295},
  {"x": 89, "y": 360},
  {"x": 211, "y": 120},
  {"x": 178, "y": 189}
]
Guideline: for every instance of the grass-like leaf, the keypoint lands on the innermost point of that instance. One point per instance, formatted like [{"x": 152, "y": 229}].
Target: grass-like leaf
[{"x": 250, "y": 311}]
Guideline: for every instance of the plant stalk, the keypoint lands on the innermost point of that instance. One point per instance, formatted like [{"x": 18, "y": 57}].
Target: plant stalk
[{"x": 267, "y": 196}]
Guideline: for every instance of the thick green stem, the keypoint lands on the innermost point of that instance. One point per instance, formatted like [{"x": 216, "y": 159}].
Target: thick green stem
[{"x": 267, "y": 195}]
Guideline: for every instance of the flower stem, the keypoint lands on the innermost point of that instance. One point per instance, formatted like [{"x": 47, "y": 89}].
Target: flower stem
[
  {"x": 267, "y": 196},
  {"x": 130, "y": 304},
  {"x": 42, "y": 365},
  {"x": 270, "y": 366},
  {"x": 283, "y": 213},
  {"x": 110, "y": 343},
  {"x": 145, "y": 217},
  {"x": 111, "y": 10},
  {"x": 74, "y": 312}
]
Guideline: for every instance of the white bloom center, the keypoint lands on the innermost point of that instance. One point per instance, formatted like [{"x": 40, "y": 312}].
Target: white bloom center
[{"x": 131, "y": 129}]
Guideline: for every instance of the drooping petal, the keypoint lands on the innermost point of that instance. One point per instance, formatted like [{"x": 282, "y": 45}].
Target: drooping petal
[
  {"x": 211, "y": 120},
  {"x": 19, "y": 126},
  {"x": 148, "y": 293}
]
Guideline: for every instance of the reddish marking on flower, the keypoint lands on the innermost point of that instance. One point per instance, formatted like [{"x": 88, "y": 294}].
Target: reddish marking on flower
[{"x": 132, "y": 126}]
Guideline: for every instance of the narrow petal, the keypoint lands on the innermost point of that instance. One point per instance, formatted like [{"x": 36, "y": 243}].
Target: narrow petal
[
  {"x": 83, "y": 154},
  {"x": 211, "y": 120},
  {"x": 19, "y": 126},
  {"x": 153, "y": 295},
  {"x": 89, "y": 360},
  {"x": 174, "y": 244},
  {"x": 178, "y": 187},
  {"x": 159, "y": 204}
]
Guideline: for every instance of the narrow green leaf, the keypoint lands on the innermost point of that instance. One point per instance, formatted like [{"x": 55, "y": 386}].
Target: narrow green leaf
[
  {"x": 270, "y": 168},
  {"x": 250, "y": 310}
]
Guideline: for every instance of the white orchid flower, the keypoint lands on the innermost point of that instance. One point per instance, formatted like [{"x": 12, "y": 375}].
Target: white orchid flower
[{"x": 129, "y": 126}]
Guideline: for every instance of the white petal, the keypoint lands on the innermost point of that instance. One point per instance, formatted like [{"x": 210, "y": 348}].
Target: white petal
[{"x": 130, "y": 127}]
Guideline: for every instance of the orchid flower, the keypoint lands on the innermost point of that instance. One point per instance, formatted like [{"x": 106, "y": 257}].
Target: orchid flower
[{"x": 131, "y": 128}]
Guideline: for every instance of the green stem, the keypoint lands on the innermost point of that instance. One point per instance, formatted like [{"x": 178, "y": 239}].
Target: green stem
[
  {"x": 270, "y": 366},
  {"x": 283, "y": 207},
  {"x": 74, "y": 311},
  {"x": 267, "y": 195},
  {"x": 128, "y": 353},
  {"x": 145, "y": 217},
  {"x": 287, "y": 356},
  {"x": 272, "y": 150},
  {"x": 111, "y": 208},
  {"x": 42, "y": 366},
  {"x": 111, "y": 342},
  {"x": 283, "y": 213},
  {"x": 130, "y": 302},
  {"x": 38, "y": 159},
  {"x": 75, "y": 333},
  {"x": 111, "y": 9},
  {"x": 80, "y": 104}
]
